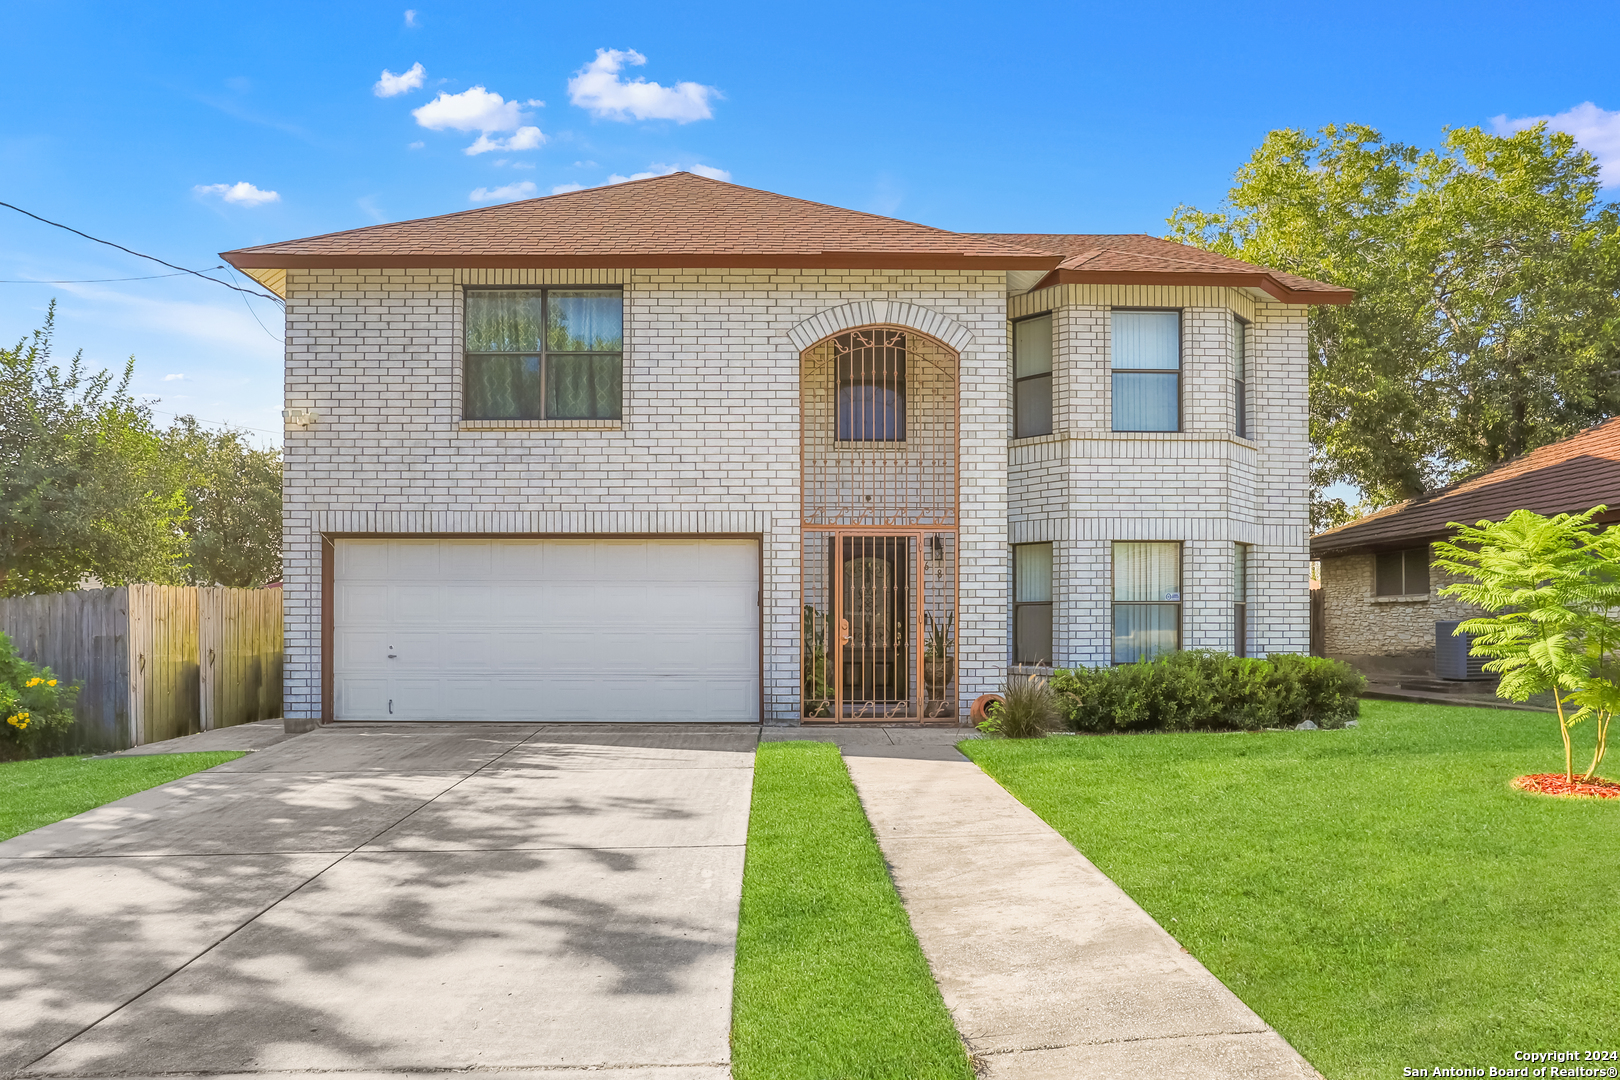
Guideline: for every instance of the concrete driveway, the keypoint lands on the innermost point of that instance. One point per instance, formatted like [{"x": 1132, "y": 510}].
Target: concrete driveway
[{"x": 535, "y": 900}]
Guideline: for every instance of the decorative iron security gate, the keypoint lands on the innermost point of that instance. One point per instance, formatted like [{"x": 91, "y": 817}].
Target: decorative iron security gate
[{"x": 879, "y": 560}]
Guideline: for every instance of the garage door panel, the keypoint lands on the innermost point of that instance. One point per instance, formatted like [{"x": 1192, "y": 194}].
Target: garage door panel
[{"x": 598, "y": 630}]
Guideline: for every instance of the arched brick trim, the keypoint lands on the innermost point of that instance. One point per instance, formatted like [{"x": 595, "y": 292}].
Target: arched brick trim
[{"x": 825, "y": 324}]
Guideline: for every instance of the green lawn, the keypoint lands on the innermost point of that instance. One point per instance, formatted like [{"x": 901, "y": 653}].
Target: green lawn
[
  {"x": 35, "y": 793},
  {"x": 831, "y": 984},
  {"x": 1380, "y": 895}
]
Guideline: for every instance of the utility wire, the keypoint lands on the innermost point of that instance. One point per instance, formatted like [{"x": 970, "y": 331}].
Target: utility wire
[
  {"x": 215, "y": 423},
  {"x": 95, "y": 280},
  {"x": 258, "y": 320},
  {"x": 138, "y": 255}
]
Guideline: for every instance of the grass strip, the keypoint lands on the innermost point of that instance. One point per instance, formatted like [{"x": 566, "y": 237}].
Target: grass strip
[
  {"x": 35, "y": 793},
  {"x": 831, "y": 984},
  {"x": 1380, "y": 895}
]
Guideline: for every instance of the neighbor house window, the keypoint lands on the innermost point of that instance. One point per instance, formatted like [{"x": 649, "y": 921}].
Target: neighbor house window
[
  {"x": 544, "y": 354},
  {"x": 1240, "y": 599},
  {"x": 1032, "y": 603},
  {"x": 1401, "y": 573},
  {"x": 1032, "y": 377},
  {"x": 871, "y": 385},
  {"x": 1240, "y": 376},
  {"x": 1147, "y": 600},
  {"x": 1146, "y": 353}
]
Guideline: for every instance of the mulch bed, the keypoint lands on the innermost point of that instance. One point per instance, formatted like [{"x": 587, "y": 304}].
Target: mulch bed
[{"x": 1555, "y": 784}]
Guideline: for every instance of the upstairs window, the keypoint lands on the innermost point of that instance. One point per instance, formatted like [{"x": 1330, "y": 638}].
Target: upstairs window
[
  {"x": 871, "y": 385},
  {"x": 1401, "y": 573},
  {"x": 1147, "y": 600},
  {"x": 544, "y": 354},
  {"x": 1032, "y": 377},
  {"x": 1240, "y": 376},
  {"x": 1146, "y": 360}
]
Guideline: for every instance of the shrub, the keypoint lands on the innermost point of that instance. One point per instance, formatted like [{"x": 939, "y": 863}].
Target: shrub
[
  {"x": 1028, "y": 709},
  {"x": 36, "y": 707},
  {"x": 1202, "y": 690}
]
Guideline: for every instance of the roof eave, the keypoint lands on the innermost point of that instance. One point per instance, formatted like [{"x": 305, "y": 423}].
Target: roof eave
[
  {"x": 258, "y": 259},
  {"x": 1265, "y": 282}
]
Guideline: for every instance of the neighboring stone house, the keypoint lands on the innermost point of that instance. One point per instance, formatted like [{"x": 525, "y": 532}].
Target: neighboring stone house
[
  {"x": 1380, "y": 593},
  {"x": 681, "y": 450}
]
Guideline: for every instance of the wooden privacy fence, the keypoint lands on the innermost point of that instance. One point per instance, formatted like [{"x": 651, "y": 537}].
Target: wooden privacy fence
[{"x": 155, "y": 661}]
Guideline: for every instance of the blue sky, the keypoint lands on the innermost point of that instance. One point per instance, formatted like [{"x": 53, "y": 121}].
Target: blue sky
[{"x": 166, "y": 127}]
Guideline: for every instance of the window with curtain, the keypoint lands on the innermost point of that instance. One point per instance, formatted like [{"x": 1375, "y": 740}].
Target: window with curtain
[
  {"x": 1146, "y": 361},
  {"x": 1240, "y": 375},
  {"x": 1240, "y": 599},
  {"x": 544, "y": 354},
  {"x": 871, "y": 385},
  {"x": 1032, "y": 377},
  {"x": 1147, "y": 600},
  {"x": 1032, "y": 603},
  {"x": 1401, "y": 573}
]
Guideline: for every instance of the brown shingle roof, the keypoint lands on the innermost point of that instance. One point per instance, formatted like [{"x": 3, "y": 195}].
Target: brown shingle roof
[
  {"x": 1138, "y": 258},
  {"x": 1566, "y": 477},
  {"x": 665, "y": 221},
  {"x": 682, "y": 220}
]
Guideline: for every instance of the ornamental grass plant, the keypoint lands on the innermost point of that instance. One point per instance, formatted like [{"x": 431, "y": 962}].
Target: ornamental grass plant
[
  {"x": 36, "y": 707},
  {"x": 1028, "y": 709}
]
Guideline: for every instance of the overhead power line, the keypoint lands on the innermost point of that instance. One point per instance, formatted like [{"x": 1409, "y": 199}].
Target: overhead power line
[
  {"x": 95, "y": 280},
  {"x": 139, "y": 255}
]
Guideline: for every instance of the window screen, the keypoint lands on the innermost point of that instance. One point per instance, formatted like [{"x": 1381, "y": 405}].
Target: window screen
[
  {"x": 1147, "y": 600},
  {"x": 1240, "y": 376},
  {"x": 1146, "y": 360},
  {"x": 1032, "y": 603},
  {"x": 544, "y": 354},
  {"x": 1401, "y": 573},
  {"x": 1032, "y": 377}
]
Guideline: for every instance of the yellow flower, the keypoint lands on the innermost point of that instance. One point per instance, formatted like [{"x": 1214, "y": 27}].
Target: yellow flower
[
  {"x": 18, "y": 720},
  {"x": 50, "y": 682},
  {"x": 35, "y": 681}
]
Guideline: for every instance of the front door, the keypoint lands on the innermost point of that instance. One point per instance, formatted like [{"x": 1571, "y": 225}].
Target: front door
[{"x": 874, "y": 624}]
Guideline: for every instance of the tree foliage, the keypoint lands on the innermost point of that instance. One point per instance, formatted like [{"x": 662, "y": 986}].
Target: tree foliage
[
  {"x": 1487, "y": 316},
  {"x": 1552, "y": 586},
  {"x": 85, "y": 487},
  {"x": 233, "y": 533}
]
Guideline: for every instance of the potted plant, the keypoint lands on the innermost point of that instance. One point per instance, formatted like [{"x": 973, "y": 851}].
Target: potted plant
[{"x": 939, "y": 666}]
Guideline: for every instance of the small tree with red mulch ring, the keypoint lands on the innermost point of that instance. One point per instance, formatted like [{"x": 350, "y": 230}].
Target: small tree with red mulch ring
[{"x": 1552, "y": 586}]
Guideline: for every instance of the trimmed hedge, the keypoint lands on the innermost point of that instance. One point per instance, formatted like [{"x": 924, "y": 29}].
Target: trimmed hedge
[{"x": 1202, "y": 690}]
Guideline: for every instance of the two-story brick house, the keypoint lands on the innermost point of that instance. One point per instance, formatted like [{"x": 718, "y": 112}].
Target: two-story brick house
[{"x": 681, "y": 450}]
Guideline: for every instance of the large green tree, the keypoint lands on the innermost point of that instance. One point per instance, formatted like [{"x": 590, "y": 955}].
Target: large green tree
[
  {"x": 86, "y": 489},
  {"x": 1487, "y": 317},
  {"x": 233, "y": 533}
]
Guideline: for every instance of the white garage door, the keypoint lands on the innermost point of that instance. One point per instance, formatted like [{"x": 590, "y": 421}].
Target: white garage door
[{"x": 555, "y": 630}]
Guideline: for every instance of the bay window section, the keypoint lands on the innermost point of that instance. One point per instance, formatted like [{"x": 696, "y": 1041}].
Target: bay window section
[
  {"x": 1032, "y": 377},
  {"x": 1032, "y": 604},
  {"x": 544, "y": 354},
  {"x": 1147, "y": 600},
  {"x": 1146, "y": 362}
]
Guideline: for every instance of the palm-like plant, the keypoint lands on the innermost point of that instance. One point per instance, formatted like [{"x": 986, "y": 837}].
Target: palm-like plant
[{"x": 1552, "y": 586}]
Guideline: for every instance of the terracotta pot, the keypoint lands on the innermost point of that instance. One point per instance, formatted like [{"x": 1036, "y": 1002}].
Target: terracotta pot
[{"x": 981, "y": 706}]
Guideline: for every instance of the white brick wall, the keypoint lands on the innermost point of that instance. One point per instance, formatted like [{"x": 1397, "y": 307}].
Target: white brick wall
[
  {"x": 709, "y": 441},
  {"x": 1084, "y": 486}
]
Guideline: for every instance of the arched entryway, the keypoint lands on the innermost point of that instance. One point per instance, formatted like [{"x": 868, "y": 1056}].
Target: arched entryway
[{"x": 879, "y": 461}]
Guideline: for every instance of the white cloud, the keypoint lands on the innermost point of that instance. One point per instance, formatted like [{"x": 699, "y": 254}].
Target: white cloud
[
  {"x": 524, "y": 189},
  {"x": 471, "y": 110},
  {"x": 417, "y": 145},
  {"x": 522, "y": 164},
  {"x": 241, "y": 193},
  {"x": 173, "y": 378},
  {"x": 482, "y": 111},
  {"x": 597, "y": 87},
  {"x": 563, "y": 189},
  {"x": 524, "y": 138},
  {"x": 1596, "y": 130},
  {"x": 391, "y": 84},
  {"x": 410, "y": 17},
  {"x": 659, "y": 169}
]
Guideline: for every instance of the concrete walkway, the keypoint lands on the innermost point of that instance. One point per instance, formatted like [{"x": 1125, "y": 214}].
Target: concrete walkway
[
  {"x": 1050, "y": 971},
  {"x": 391, "y": 900}
]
